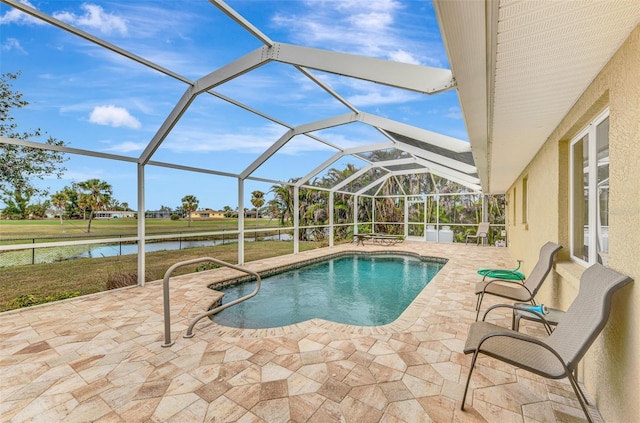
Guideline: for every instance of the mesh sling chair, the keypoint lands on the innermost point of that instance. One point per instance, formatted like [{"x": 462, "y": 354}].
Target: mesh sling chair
[
  {"x": 482, "y": 233},
  {"x": 515, "y": 290},
  {"x": 557, "y": 355}
]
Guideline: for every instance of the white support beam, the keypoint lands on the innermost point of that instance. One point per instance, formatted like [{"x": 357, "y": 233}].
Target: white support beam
[
  {"x": 378, "y": 181},
  {"x": 397, "y": 162},
  {"x": 443, "y": 170},
  {"x": 240, "y": 20},
  {"x": 65, "y": 149},
  {"x": 326, "y": 123},
  {"x": 450, "y": 176},
  {"x": 178, "y": 110},
  {"x": 273, "y": 149},
  {"x": 355, "y": 213},
  {"x": 141, "y": 227},
  {"x": 369, "y": 147},
  {"x": 191, "y": 169},
  {"x": 240, "y": 221},
  {"x": 302, "y": 129},
  {"x": 319, "y": 169},
  {"x": 296, "y": 219},
  {"x": 75, "y": 31},
  {"x": 395, "y": 176},
  {"x": 331, "y": 218},
  {"x": 351, "y": 178},
  {"x": 433, "y": 157},
  {"x": 428, "y": 137},
  {"x": 406, "y": 217},
  {"x": 407, "y": 76},
  {"x": 238, "y": 67},
  {"x": 327, "y": 89}
]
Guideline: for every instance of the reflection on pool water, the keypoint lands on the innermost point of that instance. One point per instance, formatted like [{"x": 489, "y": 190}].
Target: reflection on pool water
[{"x": 359, "y": 289}]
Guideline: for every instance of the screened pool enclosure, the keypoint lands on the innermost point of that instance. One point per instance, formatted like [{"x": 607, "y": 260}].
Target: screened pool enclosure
[{"x": 369, "y": 173}]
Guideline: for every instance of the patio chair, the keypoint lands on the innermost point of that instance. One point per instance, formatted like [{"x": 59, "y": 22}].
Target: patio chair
[
  {"x": 515, "y": 290},
  {"x": 557, "y": 355},
  {"x": 482, "y": 234}
]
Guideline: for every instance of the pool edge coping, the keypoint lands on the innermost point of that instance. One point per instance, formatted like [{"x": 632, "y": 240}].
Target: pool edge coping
[{"x": 404, "y": 321}]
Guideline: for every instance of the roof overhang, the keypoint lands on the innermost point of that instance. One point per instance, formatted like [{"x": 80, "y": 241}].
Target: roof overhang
[{"x": 521, "y": 66}]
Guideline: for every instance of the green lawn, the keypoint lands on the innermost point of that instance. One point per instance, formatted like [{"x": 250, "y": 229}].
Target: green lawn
[
  {"x": 29, "y": 229},
  {"x": 86, "y": 276}
]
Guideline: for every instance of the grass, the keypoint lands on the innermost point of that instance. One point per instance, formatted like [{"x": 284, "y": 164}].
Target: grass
[
  {"x": 51, "y": 228},
  {"x": 90, "y": 275}
]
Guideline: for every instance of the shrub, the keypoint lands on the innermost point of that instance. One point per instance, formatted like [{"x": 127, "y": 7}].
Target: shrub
[
  {"x": 24, "y": 300},
  {"x": 207, "y": 266},
  {"x": 120, "y": 280},
  {"x": 28, "y": 300},
  {"x": 175, "y": 217}
]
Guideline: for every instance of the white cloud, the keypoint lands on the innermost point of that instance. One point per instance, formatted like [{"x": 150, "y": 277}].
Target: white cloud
[
  {"x": 127, "y": 147},
  {"x": 14, "y": 16},
  {"x": 113, "y": 116},
  {"x": 368, "y": 28},
  {"x": 253, "y": 140},
  {"x": 12, "y": 44},
  {"x": 454, "y": 113},
  {"x": 94, "y": 17},
  {"x": 404, "y": 57}
]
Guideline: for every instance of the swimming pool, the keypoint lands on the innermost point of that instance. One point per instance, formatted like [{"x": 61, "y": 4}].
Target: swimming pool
[{"x": 358, "y": 289}]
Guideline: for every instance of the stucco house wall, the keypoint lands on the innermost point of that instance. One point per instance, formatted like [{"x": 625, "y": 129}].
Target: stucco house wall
[{"x": 611, "y": 369}]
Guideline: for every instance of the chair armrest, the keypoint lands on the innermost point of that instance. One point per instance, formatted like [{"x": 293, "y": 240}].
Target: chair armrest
[{"x": 544, "y": 321}]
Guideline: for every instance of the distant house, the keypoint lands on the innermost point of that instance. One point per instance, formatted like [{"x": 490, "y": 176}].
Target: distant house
[
  {"x": 251, "y": 214},
  {"x": 113, "y": 214},
  {"x": 207, "y": 214},
  {"x": 158, "y": 214}
]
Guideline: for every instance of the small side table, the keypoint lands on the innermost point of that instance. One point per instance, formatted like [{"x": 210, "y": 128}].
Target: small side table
[{"x": 553, "y": 317}]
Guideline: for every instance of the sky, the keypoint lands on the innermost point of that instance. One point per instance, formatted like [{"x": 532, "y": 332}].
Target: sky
[{"x": 95, "y": 99}]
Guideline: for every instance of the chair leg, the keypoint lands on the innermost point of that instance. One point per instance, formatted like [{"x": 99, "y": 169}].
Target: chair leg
[
  {"x": 466, "y": 387},
  {"x": 479, "y": 303},
  {"x": 582, "y": 399}
]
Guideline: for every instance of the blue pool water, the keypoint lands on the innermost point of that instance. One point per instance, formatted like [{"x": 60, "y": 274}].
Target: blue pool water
[{"x": 363, "y": 290}]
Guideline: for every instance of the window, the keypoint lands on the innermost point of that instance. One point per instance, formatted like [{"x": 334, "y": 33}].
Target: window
[
  {"x": 513, "y": 207},
  {"x": 590, "y": 192},
  {"x": 525, "y": 199}
]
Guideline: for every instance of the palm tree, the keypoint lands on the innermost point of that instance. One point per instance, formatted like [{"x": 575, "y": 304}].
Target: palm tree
[
  {"x": 59, "y": 201},
  {"x": 97, "y": 195},
  {"x": 257, "y": 199},
  {"x": 190, "y": 204},
  {"x": 283, "y": 198}
]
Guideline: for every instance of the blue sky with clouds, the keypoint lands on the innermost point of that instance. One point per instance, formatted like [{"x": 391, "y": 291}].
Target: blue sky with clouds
[{"x": 95, "y": 99}]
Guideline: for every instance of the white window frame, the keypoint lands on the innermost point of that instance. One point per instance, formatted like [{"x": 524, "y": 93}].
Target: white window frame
[{"x": 590, "y": 132}]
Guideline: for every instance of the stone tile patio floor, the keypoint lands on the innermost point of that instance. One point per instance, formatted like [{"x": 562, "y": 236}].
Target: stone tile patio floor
[{"x": 100, "y": 358}]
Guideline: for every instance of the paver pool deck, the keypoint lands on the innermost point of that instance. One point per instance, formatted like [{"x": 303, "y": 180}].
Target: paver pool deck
[{"x": 100, "y": 358}]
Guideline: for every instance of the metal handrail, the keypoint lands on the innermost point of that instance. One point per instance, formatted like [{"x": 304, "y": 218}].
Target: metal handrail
[{"x": 167, "y": 306}]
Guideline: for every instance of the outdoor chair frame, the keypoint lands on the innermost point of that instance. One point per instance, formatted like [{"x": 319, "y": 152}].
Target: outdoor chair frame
[
  {"x": 556, "y": 356},
  {"x": 482, "y": 234},
  {"x": 516, "y": 290}
]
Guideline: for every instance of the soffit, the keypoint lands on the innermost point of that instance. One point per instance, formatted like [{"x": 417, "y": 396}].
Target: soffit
[{"x": 538, "y": 58}]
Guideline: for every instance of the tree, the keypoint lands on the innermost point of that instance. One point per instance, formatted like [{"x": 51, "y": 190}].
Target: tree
[
  {"x": 190, "y": 204},
  {"x": 257, "y": 199},
  {"x": 59, "y": 201},
  {"x": 283, "y": 202},
  {"x": 96, "y": 195},
  {"x": 20, "y": 165},
  {"x": 228, "y": 211}
]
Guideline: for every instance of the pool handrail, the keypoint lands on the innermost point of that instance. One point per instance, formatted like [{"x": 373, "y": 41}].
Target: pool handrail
[{"x": 167, "y": 306}]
